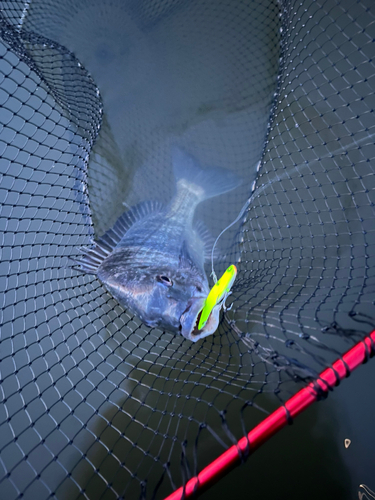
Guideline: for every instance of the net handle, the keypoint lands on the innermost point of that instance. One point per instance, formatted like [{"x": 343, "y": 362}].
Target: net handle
[{"x": 277, "y": 420}]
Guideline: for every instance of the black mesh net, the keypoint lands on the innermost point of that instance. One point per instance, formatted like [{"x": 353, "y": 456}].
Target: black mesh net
[{"x": 95, "y": 404}]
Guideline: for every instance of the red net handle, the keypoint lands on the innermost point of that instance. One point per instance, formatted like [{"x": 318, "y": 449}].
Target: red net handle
[{"x": 277, "y": 420}]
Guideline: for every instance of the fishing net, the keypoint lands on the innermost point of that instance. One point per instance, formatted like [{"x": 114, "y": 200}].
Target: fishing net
[{"x": 95, "y": 404}]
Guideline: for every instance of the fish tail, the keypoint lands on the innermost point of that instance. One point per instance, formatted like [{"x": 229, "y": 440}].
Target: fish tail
[{"x": 206, "y": 183}]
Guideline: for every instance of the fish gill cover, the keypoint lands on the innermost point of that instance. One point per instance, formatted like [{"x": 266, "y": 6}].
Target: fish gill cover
[{"x": 96, "y": 404}]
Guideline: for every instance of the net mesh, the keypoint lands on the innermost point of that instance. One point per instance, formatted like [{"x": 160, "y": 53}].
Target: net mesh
[{"x": 95, "y": 404}]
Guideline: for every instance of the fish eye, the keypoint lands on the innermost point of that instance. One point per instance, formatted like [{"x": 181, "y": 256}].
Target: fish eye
[{"x": 164, "y": 279}]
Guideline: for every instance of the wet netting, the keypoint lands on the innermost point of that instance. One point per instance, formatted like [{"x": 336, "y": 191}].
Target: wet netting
[{"x": 95, "y": 404}]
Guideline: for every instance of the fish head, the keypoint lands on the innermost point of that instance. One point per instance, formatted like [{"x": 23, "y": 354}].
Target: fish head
[{"x": 167, "y": 297}]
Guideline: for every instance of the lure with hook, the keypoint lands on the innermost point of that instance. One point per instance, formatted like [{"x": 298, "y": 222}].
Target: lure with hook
[{"x": 219, "y": 292}]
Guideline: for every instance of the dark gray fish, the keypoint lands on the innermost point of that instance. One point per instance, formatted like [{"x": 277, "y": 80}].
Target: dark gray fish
[{"x": 152, "y": 260}]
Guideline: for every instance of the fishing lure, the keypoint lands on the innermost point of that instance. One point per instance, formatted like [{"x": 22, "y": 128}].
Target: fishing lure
[{"x": 218, "y": 293}]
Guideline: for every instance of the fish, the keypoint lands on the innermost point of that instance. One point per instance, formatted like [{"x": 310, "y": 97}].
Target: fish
[{"x": 152, "y": 259}]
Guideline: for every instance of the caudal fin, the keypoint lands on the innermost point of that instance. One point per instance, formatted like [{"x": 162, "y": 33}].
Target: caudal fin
[{"x": 213, "y": 181}]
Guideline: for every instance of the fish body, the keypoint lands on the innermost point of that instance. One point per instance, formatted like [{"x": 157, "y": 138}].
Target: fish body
[{"x": 152, "y": 260}]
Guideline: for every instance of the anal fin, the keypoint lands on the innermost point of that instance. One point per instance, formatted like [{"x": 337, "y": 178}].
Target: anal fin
[{"x": 208, "y": 240}]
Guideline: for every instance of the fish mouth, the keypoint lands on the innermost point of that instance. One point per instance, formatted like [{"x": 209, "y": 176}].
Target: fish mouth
[{"x": 190, "y": 319}]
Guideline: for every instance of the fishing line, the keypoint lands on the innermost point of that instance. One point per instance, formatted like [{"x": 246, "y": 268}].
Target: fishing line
[
  {"x": 241, "y": 213},
  {"x": 297, "y": 168}
]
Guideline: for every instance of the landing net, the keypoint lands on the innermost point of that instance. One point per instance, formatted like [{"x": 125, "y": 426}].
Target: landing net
[{"x": 94, "y": 404}]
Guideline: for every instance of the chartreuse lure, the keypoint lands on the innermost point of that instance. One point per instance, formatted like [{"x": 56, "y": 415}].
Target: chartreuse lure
[{"x": 218, "y": 294}]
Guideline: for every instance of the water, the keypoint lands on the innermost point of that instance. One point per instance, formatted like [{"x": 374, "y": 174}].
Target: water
[
  {"x": 163, "y": 80},
  {"x": 309, "y": 459}
]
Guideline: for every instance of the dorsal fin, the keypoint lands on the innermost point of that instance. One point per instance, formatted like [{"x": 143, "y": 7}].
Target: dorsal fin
[
  {"x": 113, "y": 236},
  {"x": 208, "y": 240},
  {"x": 102, "y": 247}
]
